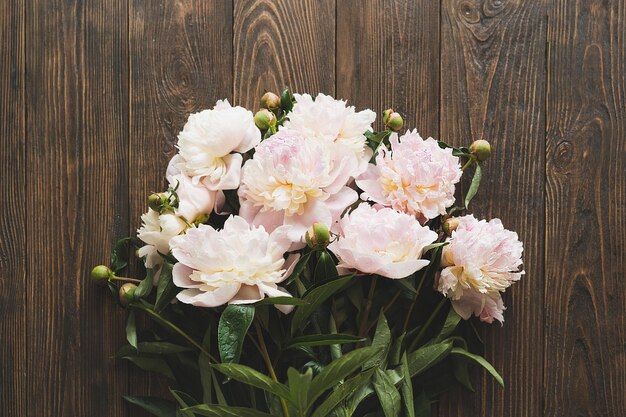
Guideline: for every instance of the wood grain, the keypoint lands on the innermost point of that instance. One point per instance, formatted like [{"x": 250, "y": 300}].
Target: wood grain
[
  {"x": 585, "y": 327},
  {"x": 280, "y": 43},
  {"x": 181, "y": 62},
  {"x": 388, "y": 56},
  {"x": 76, "y": 98},
  {"x": 493, "y": 87},
  {"x": 13, "y": 214}
]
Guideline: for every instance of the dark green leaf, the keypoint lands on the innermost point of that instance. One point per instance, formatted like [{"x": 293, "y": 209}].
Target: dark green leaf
[
  {"x": 286, "y": 100},
  {"x": 387, "y": 393},
  {"x": 151, "y": 364},
  {"x": 211, "y": 410},
  {"x": 205, "y": 368},
  {"x": 481, "y": 361},
  {"x": 422, "y": 405},
  {"x": 381, "y": 342},
  {"x": 461, "y": 372},
  {"x": 323, "y": 340},
  {"x": 161, "y": 348},
  {"x": 184, "y": 401},
  {"x": 406, "y": 388},
  {"x": 315, "y": 297},
  {"x": 145, "y": 287},
  {"x": 342, "y": 392},
  {"x": 427, "y": 356},
  {"x": 434, "y": 245},
  {"x": 166, "y": 290},
  {"x": 473, "y": 189},
  {"x": 297, "y": 270},
  {"x": 405, "y": 284},
  {"x": 233, "y": 326},
  {"x": 325, "y": 268},
  {"x": 452, "y": 321},
  {"x": 131, "y": 329},
  {"x": 252, "y": 377},
  {"x": 299, "y": 388},
  {"x": 119, "y": 253},
  {"x": 288, "y": 301},
  {"x": 155, "y": 406}
]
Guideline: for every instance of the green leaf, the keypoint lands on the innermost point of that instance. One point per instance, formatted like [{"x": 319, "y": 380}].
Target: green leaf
[
  {"x": 211, "y": 410},
  {"x": 145, "y": 286},
  {"x": 286, "y": 100},
  {"x": 342, "y": 392},
  {"x": 315, "y": 297},
  {"x": 452, "y": 321},
  {"x": 388, "y": 395},
  {"x": 204, "y": 365},
  {"x": 166, "y": 290},
  {"x": 155, "y": 406},
  {"x": 422, "y": 405},
  {"x": 297, "y": 270},
  {"x": 434, "y": 245},
  {"x": 473, "y": 189},
  {"x": 151, "y": 365},
  {"x": 381, "y": 342},
  {"x": 288, "y": 301},
  {"x": 461, "y": 372},
  {"x": 325, "y": 268},
  {"x": 184, "y": 401},
  {"x": 323, "y": 340},
  {"x": 131, "y": 329},
  {"x": 405, "y": 284},
  {"x": 299, "y": 388},
  {"x": 406, "y": 388},
  {"x": 231, "y": 331},
  {"x": 481, "y": 361},
  {"x": 161, "y": 348},
  {"x": 119, "y": 253},
  {"x": 252, "y": 377},
  {"x": 427, "y": 356},
  {"x": 338, "y": 370}
]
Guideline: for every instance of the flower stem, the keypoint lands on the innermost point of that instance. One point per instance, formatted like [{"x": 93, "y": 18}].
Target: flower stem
[
  {"x": 427, "y": 324},
  {"x": 417, "y": 293},
  {"x": 114, "y": 278},
  {"x": 368, "y": 307},
  {"x": 266, "y": 357},
  {"x": 384, "y": 310},
  {"x": 469, "y": 163}
]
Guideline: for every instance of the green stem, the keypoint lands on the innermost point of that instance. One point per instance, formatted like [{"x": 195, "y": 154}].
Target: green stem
[
  {"x": 427, "y": 324},
  {"x": 469, "y": 163},
  {"x": 114, "y": 278},
  {"x": 266, "y": 357},
  {"x": 417, "y": 293},
  {"x": 384, "y": 310},
  {"x": 368, "y": 307}
]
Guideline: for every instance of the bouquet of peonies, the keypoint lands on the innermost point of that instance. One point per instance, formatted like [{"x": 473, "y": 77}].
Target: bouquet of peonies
[{"x": 301, "y": 264}]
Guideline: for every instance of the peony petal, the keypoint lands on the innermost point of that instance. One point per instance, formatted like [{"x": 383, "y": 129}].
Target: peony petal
[
  {"x": 247, "y": 294},
  {"x": 215, "y": 298},
  {"x": 399, "y": 270},
  {"x": 272, "y": 290},
  {"x": 181, "y": 274}
]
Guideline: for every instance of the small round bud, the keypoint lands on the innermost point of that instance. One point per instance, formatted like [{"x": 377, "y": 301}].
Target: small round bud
[
  {"x": 127, "y": 293},
  {"x": 317, "y": 236},
  {"x": 481, "y": 149},
  {"x": 386, "y": 115},
  {"x": 270, "y": 101},
  {"x": 100, "y": 273},
  {"x": 450, "y": 225},
  {"x": 156, "y": 201},
  {"x": 264, "y": 118},
  {"x": 395, "y": 122}
]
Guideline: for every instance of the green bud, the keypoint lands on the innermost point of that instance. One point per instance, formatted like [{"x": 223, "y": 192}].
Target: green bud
[
  {"x": 157, "y": 201},
  {"x": 450, "y": 225},
  {"x": 394, "y": 122},
  {"x": 317, "y": 236},
  {"x": 101, "y": 273},
  {"x": 481, "y": 149},
  {"x": 270, "y": 101},
  {"x": 264, "y": 118},
  {"x": 201, "y": 219},
  {"x": 127, "y": 293}
]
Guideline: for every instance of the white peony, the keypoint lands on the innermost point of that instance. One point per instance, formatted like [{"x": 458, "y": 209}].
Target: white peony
[
  {"x": 381, "y": 241},
  {"x": 208, "y": 141},
  {"x": 156, "y": 231},
  {"x": 239, "y": 264},
  {"x": 333, "y": 122}
]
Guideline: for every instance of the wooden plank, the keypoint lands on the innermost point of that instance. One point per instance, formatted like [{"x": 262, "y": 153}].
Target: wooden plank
[
  {"x": 13, "y": 213},
  {"x": 493, "y": 87},
  {"x": 77, "y": 111},
  {"x": 388, "y": 56},
  {"x": 181, "y": 62},
  {"x": 280, "y": 43},
  {"x": 585, "y": 320}
]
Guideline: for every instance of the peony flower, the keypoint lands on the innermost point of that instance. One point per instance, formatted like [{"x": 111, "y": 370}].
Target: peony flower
[
  {"x": 333, "y": 122},
  {"x": 416, "y": 176},
  {"x": 239, "y": 264},
  {"x": 156, "y": 231},
  {"x": 295, "y": 181},
  {"x": 382, "y": 241},
  {"x": 208, "y": 140},
  {"x": 481, "y": 261},
  {"x": 193, "y": 199}
]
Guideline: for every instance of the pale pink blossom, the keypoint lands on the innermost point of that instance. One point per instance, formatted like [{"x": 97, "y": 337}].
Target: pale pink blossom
[
  {"x": 416, "y": 176},
  {"x": 239, "y": 264},
  {"x": 296, "y": 181},
  {"x": 209, "y": 141},
  {"x": 333, "y": 122},
  {"x": 381, "y": 241},
  {"x": 156, "y": 231},
  {"x": 480, "y": 262}
]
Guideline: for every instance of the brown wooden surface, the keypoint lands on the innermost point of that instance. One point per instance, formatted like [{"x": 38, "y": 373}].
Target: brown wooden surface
[{"x": 93, "y": 94}]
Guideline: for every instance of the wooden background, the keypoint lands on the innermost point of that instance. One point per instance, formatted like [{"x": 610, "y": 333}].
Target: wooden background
[{"x": 94, "y": 92}]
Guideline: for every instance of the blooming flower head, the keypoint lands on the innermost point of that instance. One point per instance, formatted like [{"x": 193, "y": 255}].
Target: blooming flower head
[
  {"x": 382, "y": 241},
  {"x": 416, "y": 176},
  {"x": 295, "y": 181},
  {"x": 332, "y": 121},
  {"x": 208, "y": 140},
  {"x": 239, "y": 264},
  {"x": 481, "y": 261},
  {"x": 156, "y": 231}
]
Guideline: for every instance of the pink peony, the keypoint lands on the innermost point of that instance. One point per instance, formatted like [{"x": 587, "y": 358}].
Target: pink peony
[
  {"x": 416, "y": 176},
  {"x": 295, "y": 181},
  {"x": 383, "y": 242},
  {"x": 481, "y": 261},
  {"x": 239, "y": 264}
]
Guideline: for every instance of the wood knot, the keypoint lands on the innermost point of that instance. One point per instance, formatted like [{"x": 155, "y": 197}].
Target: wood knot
[
  {"x": 469, "y": 12},
  {"x": 563, "y": 155}
]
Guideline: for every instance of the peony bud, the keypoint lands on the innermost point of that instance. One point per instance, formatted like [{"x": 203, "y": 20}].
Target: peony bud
[
  {"x": 264, "y": 119},
  {"x": 100, "y": 273},
  {"x": 270, "y": 101},
  {"x": 318, "y": 236},
  {"x": 450, "y": 225},
  {"x": 395, "y": 122},
  {"x": 386, "y": 115},
  {"x": 481, "y": 149},
  {"x": 127, "y": 293},
  {"x": 157, "y": 201}
]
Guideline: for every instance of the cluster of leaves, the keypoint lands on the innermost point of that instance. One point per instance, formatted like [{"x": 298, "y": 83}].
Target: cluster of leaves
[{"x": 354, "y": 345}]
